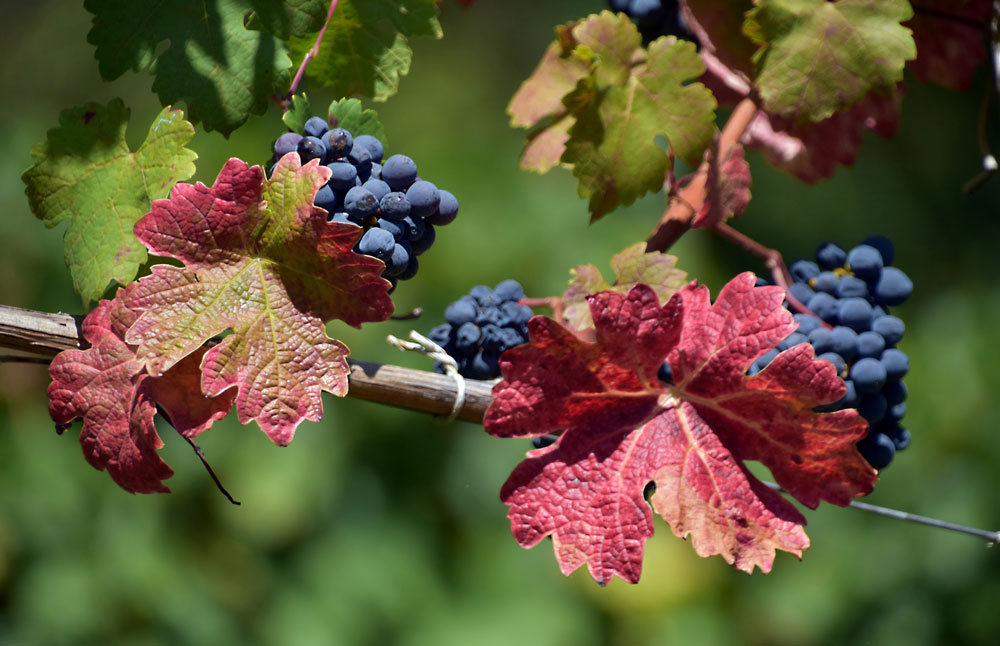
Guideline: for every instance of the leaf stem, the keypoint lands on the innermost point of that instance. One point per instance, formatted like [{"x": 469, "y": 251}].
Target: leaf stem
[
  {"x": 688, "y": 201},
  {"x": 311, "y": 54},
  {"x": 208, "y": 467},
  {"x": 992, "y": 536},
  {"x": 772, "y": 259}
]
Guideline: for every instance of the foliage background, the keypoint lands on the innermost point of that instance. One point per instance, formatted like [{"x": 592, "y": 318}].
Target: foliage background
[{"x": 379, "y": 526}]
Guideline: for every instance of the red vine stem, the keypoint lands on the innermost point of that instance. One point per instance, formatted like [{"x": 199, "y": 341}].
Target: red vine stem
[
  {"x": 312, "y": 53},
  {"x": 689, "y": 200}
]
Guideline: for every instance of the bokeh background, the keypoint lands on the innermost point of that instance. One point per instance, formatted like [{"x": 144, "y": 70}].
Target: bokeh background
[{"x": 380, "y": 526}]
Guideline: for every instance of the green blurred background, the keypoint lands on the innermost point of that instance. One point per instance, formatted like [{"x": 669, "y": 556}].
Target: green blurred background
[{"x": 379, "y": 526}]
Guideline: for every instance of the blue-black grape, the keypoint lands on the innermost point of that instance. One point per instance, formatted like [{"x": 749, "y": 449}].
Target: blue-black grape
[
  {"x": 326, "y": 198},
  {"x": 870, "y": 344},
  {"x": 865, "y": 262},
  {"x": 374, "y": 146},
  {"x": 338, "y": 142},
  {"x": 377, "y": 242},
  {"x": 423, "y": 197},
  {"x": 826, "y": 281},
  {"x": 286, "y": 143},
  {"x": 873, "y": 407},
  {"x": 311, "y": 148},
  {"x": 398, "y": 260},
  {"x": 801, "y": 292},
  {"x": 824, "y": 306},
  {"x": 447, "y": 209},
  {"x": 411, "y": 268},
  {"x": 849, "y": 286},
  {"x": 884, "y": 245},
  {"x": 869, "y": 375},
  {"x": 845, "y": 342},
  {"x": 830, "y": 256},
  {"x": 397, "y": 229},
  {"x": 877, "y": 449},
  {"x": 509, "y": 290},
  {"x": 460, "y": 312},
  {"x": 893, "y": 287},
  {"x": 399, "y": 172},
  {"x": 855, "y": 313},
  {"x": 378, "y": 188},
  {"x": 344, "y": 175},
  {"x": 424, "y": 242},
  {"x": 896, "y": 363},
  {"x": 395, "y": 206},
  {"x": 414, "y": 227},
  {"x": 803, "y": 270},
  {"x": 316, "y": 127},
  {"x": 359, "y": 202},
  {"x": 890, "y": 327}
]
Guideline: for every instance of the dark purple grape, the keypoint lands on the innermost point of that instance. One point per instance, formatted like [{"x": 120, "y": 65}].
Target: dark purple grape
[{"x": 286, "y": 143}]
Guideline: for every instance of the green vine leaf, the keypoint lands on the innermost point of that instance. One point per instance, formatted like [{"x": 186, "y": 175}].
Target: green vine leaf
[
  {"x": 349, "y": 115},
  {"x": 817, "y": 57},
  {"x": 298, "y": 113},
  {"x": 605, "y": 100},
  {"x": 365, "y": 50},
  {"x": 85, "y": 173},
  {"x": 223, "y": 71},
  {"x": 288, "y": 17}
]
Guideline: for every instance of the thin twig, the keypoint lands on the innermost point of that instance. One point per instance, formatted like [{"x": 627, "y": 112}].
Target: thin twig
[
  {"x": 415, "y": 313},
  {"x": 686, "y": 203},
  {"x": 313, "y": 51},
  {"x": 208, "y": 467},
  {"x": 992, "y": 536},
  {"x": 772, "y": 259},
  {"x": 988, "y": 159}
]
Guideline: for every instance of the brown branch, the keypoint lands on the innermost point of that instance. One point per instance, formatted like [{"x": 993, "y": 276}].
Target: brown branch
[
  {"x": 47, "y": 334},
  {"x": 689, "y": 200}
]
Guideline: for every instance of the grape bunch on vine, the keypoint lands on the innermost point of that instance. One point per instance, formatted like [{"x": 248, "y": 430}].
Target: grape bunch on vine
[{"x": 643, "y": 393}]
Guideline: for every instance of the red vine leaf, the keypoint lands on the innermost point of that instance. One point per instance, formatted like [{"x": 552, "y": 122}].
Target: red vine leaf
[
  {"x": 812, "y": 151},
  {"x": 108, "y": 388},
  {"x": 261, "y": 261},
  {"x": 728, "y": 188},
  {"x": 950, "y": 37},
  {"x": 623, "y": 429}
]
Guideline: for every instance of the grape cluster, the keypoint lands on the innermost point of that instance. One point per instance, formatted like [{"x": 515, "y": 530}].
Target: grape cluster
[
  {"x": 480, "y": 326},
  {"x": 396, "y": 208},
  {"x": 655, "y": 18},
  {"x": 849, "y": 294}
]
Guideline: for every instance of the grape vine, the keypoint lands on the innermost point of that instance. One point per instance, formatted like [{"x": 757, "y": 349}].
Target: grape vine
[{"x": 644, "y": 393}]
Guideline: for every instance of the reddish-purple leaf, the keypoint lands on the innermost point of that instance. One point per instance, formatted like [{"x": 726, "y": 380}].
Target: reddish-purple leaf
[
  {"x": 950, "y": 37},
  {"x": 263, "y": 262},
  {"x": 812, "y": 151},
  {"x": 108, "y": 388},
  {"x": 623, "y": 429},
  {"x": 728, "y": 188},
  {"x": 809, "y": 151}
]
